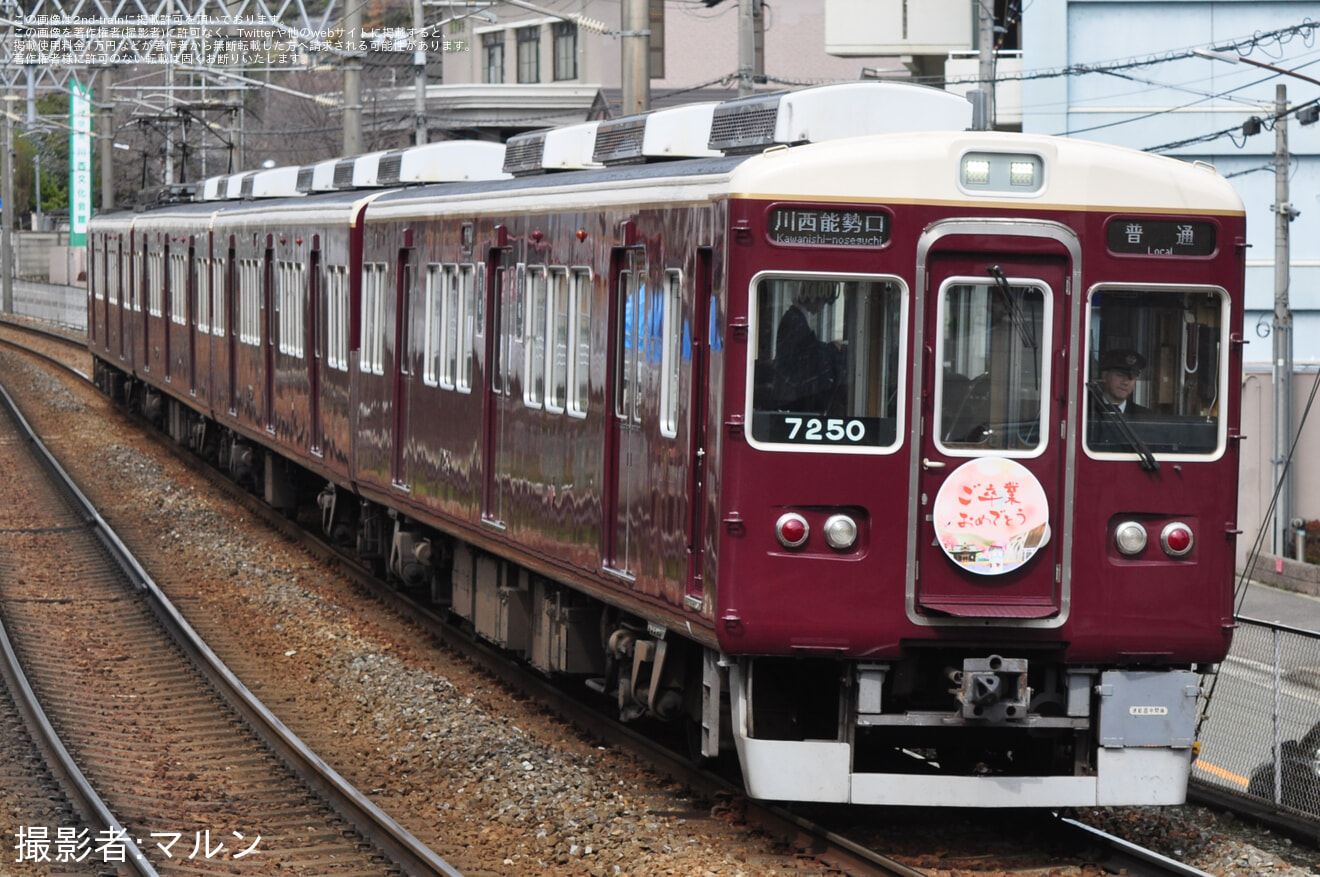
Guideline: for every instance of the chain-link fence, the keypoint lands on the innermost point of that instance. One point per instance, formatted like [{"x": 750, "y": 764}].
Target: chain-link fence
[{"x": 1264, "y": 710}]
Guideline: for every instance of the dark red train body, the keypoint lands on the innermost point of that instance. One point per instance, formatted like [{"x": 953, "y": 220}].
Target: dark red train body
[{"x": 811, "y": 447}]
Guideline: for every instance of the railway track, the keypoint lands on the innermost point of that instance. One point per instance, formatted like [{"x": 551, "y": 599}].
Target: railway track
[
  {"x": 812, "y": 838},
  {"x": 183, "y": 761},
  {"x": 29, "y": 792}
]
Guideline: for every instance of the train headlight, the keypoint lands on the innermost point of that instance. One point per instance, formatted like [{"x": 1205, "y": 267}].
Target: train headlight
[
  {"x": 1130, "y": 538},
  {"x": 1017, "y": 175},
  {"x": 840, "y": 532},
  {"x": 976, "y": 172},
  {"x": 1022, "y": 173},
  {"x": 1176, "y": 539},
  {"x": 792, "y": 530}
]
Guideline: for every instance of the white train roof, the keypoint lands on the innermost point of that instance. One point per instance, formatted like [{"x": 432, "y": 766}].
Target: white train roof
[
  {"x": 835, "y": 112},
  {"x": 449, "y": 161},
  {"x": 673, "y": 132},
  {"x": 1076, "y": 174},
  {"x": 888, "y": 169},
  {"x": 279, "y": 182},
  {"x": 569, "y": 148},
  {"x": 233, "y": 185},
  {"x": 319, "y": 177}
]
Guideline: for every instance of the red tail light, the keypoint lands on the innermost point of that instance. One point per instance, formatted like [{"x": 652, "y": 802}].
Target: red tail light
[
  {"x": 792, "y": 530},
  {"x": 1176, "y": 539}
]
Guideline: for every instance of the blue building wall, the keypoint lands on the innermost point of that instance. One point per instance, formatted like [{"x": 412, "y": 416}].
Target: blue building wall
[{"x": 1176, "y": 98}]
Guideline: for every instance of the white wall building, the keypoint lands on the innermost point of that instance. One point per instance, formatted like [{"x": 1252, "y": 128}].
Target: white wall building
[{"x": 529, "y": 69}]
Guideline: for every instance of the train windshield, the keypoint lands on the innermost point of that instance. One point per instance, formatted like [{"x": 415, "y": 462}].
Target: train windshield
[
  {"x": 1155, "y": 370},
  {"x": 992, "y": 347},
  {"x": 827, "y": 368}
]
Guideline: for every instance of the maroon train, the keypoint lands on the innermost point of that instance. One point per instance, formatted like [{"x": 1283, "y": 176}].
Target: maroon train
[{"x": 901, "y": 456}]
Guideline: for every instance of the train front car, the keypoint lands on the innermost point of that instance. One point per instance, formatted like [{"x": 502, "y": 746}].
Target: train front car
[{"x": 979, "y": 468}]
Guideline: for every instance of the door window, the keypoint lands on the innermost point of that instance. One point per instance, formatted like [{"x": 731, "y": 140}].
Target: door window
[{"x": 991, "y": 386}]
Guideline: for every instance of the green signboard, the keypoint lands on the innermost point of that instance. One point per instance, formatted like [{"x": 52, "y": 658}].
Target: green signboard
[{"x": 80, "y": 163}]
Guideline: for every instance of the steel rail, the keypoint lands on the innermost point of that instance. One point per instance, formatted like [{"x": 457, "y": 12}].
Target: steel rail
[
  {"x": 409, "y": 853},
  {"x": 75, "y": 784},
  {"x": 1124, "y": 857},
  {"x": 792, "y": 828}
]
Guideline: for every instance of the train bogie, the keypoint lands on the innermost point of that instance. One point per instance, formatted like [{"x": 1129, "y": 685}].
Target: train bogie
[{"x": 897, "y": 463}]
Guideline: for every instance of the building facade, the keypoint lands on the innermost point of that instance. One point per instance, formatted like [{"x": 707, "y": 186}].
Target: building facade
[
  {"x": 694, "y": 51},
  {"x": 1149, "y": 91}
]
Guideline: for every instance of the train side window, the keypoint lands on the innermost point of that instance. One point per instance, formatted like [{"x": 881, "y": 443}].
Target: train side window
[
  {"x": 136, "y": 280},
  {"x": 372, "y": 356},
  {"x": 535, "y": 334},
  {"x": 281, "y": 303},
  {"x": 556, "y": 390},
  {"x": 155, "y": 284},
  {"x": 218, "y": 275},
  {"x": 292, "y": 280},
  {"x": 298, "y": 341},
  {"x": 632, "y": 338},
  {"x": 432, "y": 325},
  {"x": 201, "y": 298},
  {"x": 112, "y": 275},
  {"x": 179, "y": 288},
  {"x": 579, "y": 333},
  {"x": 336, "y": 318},
  {"x": 827, "y": 362},
  {"x": 1156, "y": 371},
  {"x": 470, "y": 327},
  {"x": 450, "y": 317},
  {"x": 97, "y": 257},
  {"x": 672, "y": 352},
  {"x": 249, "y": 304}
]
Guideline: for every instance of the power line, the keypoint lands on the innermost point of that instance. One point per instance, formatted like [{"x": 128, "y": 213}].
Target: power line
[{"x": 1306, "y": 29}]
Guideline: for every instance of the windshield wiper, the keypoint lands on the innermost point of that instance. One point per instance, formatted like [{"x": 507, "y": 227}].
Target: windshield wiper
[
  {"x": 1148, "y": 461},
  {"x": 1015, "y": 316}
]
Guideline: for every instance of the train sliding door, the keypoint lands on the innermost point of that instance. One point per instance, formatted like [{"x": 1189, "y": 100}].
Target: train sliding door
[
  {"x": 501, "y": 328},
  {"x": 313, "y": 343},
  {"x": 625, "y": 468},
  {"x": 403, "y": 365},
  {"x": 992, "y": 496}
]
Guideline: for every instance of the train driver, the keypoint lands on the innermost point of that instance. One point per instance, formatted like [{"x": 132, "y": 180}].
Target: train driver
[
  {"x": 808, "y": 372},
  {"x": 1119, "y": 370}
]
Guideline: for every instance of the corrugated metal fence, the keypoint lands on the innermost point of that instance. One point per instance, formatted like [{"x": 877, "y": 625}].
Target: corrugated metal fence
[{"x": 1263, "y": 710}]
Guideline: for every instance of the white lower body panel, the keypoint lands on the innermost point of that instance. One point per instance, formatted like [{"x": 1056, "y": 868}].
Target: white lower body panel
[{"x": 819, "y": 770}]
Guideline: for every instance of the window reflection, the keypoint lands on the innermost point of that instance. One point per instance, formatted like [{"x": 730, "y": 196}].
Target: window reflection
[
  {"x": 1155, "y": 359},
  {"x": 827, "y": 364},
  {"x": 992, "y": 348}
]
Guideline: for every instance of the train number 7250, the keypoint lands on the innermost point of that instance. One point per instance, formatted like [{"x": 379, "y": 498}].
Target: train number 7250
[{"x": 833, "y": 429}]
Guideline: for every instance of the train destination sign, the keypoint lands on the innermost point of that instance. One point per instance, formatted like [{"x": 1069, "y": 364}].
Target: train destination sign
[
  {"x": 828, "y": 227},
  {"x": 1161, "y": 237}
]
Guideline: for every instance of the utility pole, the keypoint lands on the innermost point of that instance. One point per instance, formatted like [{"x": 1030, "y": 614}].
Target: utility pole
[
  {"x": 237, "y": 119},
  {"x": 107, "y": 101},
  {"x": 746, "y": 47},
  {"x": 7, "y": 215},
  {"x": 986, "y": 46},
  {"x": 169, "y": 89},
  {"x": 1282, "y": 329},
  {"x": 635, "y": 24},
  {"x": 419, "y": 73},
  {"x": 353, "y": 79}
]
